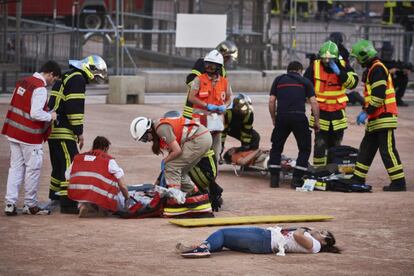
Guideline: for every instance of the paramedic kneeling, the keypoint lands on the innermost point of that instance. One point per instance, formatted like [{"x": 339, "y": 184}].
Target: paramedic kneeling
[
  {"x": 287, "y": 99},
  {"x": 96, "y": 181}
]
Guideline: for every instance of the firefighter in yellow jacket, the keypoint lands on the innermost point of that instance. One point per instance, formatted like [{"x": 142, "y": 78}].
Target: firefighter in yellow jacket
[
  {"x": 331, "y": 76},
  {"x": 381, "y": 110},
  {"x": 68, "y": 100}
]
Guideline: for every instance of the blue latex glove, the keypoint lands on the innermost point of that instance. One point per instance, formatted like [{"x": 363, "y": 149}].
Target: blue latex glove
[
  {"x": 162, "y": 165},
  {"x": 212, "y": 107},
  {"x": 334, "y": 67},
  {"x": 362, "y": 117},
  {"x": 221, "y": 108}
]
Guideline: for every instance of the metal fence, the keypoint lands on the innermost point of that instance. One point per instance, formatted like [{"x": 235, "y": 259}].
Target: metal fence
[{"x": 134, "y": 40}]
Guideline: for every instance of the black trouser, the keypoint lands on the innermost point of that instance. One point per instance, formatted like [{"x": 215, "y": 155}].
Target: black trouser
[
  {"x": 383, "y": 140},
  {"x": 324, "y": 140},
  {"x": 285, "y": 124},
  {"x": 254, "y": 142},
  {"x": 61, "y": 156},
  {"x": 400, "y": 84}
]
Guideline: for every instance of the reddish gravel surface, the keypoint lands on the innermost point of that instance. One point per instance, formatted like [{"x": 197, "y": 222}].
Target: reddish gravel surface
[{"x": 375, "y": 230}]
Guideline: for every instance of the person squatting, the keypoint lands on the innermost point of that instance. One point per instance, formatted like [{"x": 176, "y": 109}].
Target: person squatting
[{"x": 92, "y": 183}]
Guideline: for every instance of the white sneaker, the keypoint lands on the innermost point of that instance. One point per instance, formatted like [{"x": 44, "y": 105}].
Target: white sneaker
[
  {"x": 10, "y": 209},
  {"x": 34, "y": 211}
]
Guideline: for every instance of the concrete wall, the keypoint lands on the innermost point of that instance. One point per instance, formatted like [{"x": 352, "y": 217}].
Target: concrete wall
[
  {"x": 165, "y": 81},
  {"x": 126, "y": 90},
  {"x": 132, "y": 89}
]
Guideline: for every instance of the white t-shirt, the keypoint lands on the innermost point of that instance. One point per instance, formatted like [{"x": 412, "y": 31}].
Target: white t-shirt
[
  {"x": 113, "y": 168},
  {"x": 293, "y": 247}
]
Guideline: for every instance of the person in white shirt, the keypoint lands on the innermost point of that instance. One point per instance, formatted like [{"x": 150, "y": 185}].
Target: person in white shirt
[
  {"x": 263, "y": 241},
  {"x": 96, "y": 181},
  {"x": 26, "y": 127}
]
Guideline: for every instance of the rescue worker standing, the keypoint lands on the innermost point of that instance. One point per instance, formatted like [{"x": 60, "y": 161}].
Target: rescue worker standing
[
  {"x": 291, "y": 91},
  {"x": 381, "y": 110},
  {"x": 68, "y": 100},
  {"x": 238, "y": 123},
  {"x": 26, "y": 127},
  {"x": 331, "y": 76},
  {"x": 354, "y": 97},
  {"x": 229, "y": 52},
  {"x": 210, "y": 94}
]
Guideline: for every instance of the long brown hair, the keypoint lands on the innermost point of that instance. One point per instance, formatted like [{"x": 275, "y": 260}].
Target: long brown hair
[
  {"x": 330, "y": 244},
  {"x": 156, "y": 147}
]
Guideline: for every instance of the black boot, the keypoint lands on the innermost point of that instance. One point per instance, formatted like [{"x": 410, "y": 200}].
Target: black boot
[
  {"x": 394, "y": 188},
  {"x": 296, "y": 182},
  {"x": 68, "y": 206},
  {"x": 274, "y": 181}
]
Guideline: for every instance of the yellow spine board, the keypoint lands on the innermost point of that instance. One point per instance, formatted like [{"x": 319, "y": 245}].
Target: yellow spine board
[{"x": 248, "y": 220}]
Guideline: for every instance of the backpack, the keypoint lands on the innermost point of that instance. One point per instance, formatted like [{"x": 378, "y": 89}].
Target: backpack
[{"x": 345, "y": 157}]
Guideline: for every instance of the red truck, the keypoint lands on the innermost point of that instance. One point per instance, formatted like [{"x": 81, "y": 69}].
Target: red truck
[{"x": 92, "y": 12}]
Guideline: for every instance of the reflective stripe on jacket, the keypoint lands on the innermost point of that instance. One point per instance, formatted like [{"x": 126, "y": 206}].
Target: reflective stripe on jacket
[
  {"x": 209, "y": 94},
  {"x": 66, "y": 98},
  {"x": 387, "y": 105},
  {"x": 329, "y": 91},
  {"x": 193, "y": 204},
  {"x": 385, "y": 114},
  {"x": 183, "y": 129},
  {"x": 91, "y": 181},
  {"x": 19, "y": 124}
]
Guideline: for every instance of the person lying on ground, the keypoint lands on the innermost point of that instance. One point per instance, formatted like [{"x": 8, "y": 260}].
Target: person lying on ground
[{"x": 263, "y": 241}]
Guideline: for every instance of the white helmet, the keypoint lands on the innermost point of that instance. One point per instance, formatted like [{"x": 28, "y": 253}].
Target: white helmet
[
  {"x": 139, "y": 127},
  {"x": 215, "y": 57}
]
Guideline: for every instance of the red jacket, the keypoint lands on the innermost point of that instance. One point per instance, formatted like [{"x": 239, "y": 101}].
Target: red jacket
[
  {"x": 91, "y": 181},
  {"x": 19, "y": 124}
]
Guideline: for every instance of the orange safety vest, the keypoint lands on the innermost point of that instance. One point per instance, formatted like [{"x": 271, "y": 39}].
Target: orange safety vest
[
  {"x": 209, "y": 94},
  {"x": 183, "y": 129},
  {"x": 330, "y": 93},
  {"x": 389, "y": 104},
  {"x": 19, "y": 124},
  {"x": 91, "y": 181}
]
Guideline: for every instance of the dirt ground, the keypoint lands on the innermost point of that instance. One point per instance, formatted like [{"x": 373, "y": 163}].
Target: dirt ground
[{"x": 375, "y": 230}]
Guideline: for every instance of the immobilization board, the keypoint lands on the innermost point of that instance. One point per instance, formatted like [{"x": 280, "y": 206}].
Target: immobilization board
[{"x": 247, "y": 220}]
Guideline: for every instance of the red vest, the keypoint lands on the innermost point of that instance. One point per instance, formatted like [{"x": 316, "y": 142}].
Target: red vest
[
  {"x": 209, "y": 94},
  {"x": 91, "y": 181},
  {"x": 389, "y": 105},
  {"x": 19, "y": 124},
  {"x": 183, "y": 129},
  {"x": 330, "y": 93}
]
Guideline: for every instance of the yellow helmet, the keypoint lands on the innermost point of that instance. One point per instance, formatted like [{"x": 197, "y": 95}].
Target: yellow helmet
[
  {"x": 94, "y": 67},
  {"x": 228, "y": 49}
]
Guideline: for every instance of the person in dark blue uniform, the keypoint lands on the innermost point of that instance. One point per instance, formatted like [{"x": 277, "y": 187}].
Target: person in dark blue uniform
[{"x": 288, "y": 96}]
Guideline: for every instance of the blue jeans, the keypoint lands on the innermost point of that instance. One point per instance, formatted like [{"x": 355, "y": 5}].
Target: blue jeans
[{"x": 246, "y": 239}]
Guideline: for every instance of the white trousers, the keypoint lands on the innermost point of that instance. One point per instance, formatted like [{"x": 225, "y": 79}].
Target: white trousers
[{"x": 25, "y": 166}]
